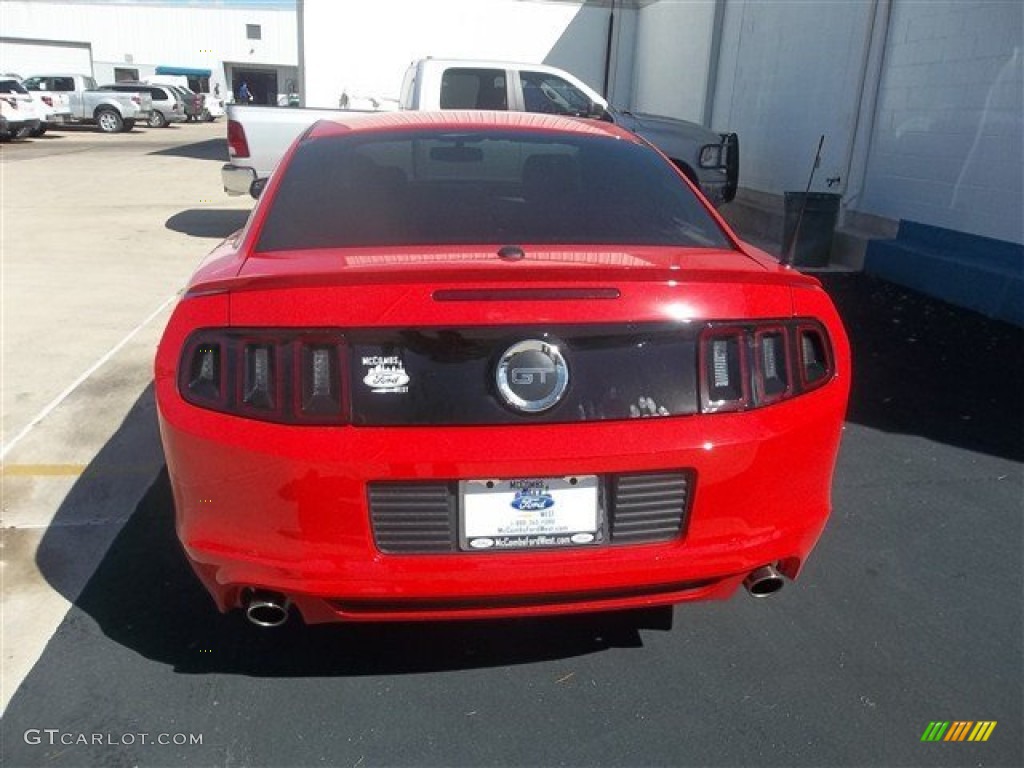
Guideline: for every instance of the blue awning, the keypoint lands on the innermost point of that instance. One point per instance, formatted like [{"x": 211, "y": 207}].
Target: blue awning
[{"x": 183, "y": 71}]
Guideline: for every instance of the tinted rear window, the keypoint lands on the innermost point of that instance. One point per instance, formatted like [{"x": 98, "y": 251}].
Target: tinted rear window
[
  {"x": 11, "y": 86},
  {"x": 482, "y": 187}
]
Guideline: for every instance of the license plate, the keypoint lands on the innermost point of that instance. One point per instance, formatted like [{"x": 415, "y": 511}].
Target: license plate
[{"x": 530, "y": 513}]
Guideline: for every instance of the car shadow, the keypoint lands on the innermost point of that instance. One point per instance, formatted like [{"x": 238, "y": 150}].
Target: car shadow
[
  {"x": 144, "y": 596},
  {"x": 207, "y": 222},
  {"x": 924, "y": 367},
  {"x": 210, "y": 149}
]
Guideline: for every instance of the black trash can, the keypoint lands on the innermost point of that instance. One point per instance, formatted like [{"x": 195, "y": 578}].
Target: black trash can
[{"x": 814, "y": 242}]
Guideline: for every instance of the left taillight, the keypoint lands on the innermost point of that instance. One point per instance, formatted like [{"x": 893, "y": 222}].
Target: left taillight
[
  {"x": 238, "y": 145},
  {"x": 285, "y": 376},
  {"x": 750, "y": 365}
]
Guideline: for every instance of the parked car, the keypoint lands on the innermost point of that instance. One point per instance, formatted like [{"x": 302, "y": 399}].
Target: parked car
[
  {"x": 52, "y": 108},
  {"x": 195, "y": 105},
  {"x": 208, "y": 106},
  {"x": 168, "y": 106},
  {"x": 214, "y": 106},
  {"x": 467, "y": 365},
  {"x": 19, "y": 117},
  {"x": 110, "y": 111}
]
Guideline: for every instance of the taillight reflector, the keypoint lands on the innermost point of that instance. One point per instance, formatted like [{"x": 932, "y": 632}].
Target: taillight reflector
[
  {"x": 238, "y": 146},
  {"x": 285, "y": 376},
  {"x": 772, "y": 364},
  {"x": 815, "y": 357},
  {"x": 724, "y": 368},
  {"x": 749, "y": 365}
]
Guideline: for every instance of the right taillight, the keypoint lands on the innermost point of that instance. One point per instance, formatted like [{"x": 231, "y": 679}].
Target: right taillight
[
  {"x": 815, "y": 357},
  {"x": 285, "y": 376},
  {"x": 238, "y": 146},
  {"x": 749, "y": 365}
]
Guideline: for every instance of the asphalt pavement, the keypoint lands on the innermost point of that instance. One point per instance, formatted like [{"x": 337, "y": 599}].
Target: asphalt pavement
[{"x": 908, "y": 612}]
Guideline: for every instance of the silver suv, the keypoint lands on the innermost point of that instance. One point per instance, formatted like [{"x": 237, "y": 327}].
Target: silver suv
[{"x": 168, "y": 106}]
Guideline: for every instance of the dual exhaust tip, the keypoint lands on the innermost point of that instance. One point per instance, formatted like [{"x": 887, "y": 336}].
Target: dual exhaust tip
[
  {"x": 270, "y": 609},
  {"x": 763, "y": 581},
  {"x": 265, "y": 608}
]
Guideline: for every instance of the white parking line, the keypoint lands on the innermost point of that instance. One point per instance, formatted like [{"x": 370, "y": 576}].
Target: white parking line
[{"x": 81, "y": 379}]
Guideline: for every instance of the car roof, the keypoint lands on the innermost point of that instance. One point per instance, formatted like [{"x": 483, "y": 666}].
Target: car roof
[
  {"x": 412, "y": 120},
  {"x": 493, "y": 64}
]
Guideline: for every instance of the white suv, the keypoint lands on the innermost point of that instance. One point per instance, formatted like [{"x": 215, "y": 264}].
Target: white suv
[{"x": 19, "y": 116}]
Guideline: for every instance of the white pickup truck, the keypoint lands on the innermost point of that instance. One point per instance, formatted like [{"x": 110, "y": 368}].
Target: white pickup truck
[
  {"x": 110, "y": 111},
  {"x": 259, "y": 136}
]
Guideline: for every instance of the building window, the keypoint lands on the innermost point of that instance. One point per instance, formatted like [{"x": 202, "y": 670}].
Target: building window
[
  {"x": 253, "y": 32},
  {"x": 124, "y": 73}
]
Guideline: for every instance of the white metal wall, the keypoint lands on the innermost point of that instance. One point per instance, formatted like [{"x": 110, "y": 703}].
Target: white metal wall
[
  {"x": 199, "y": 35},
  {"x": 672, "y": 58},
  {"x": 948, "y": 148},
  {"x": 21, "y": 56},
  {"x": 364, "y": 48},
  {"x": 790, "y": 72}
]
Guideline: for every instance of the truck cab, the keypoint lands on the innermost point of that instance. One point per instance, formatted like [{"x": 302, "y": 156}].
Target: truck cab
[{"x": 710, "y": 160}]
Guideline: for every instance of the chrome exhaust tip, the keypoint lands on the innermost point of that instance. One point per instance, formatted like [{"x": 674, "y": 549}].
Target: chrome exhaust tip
[
  {"x": 266, "y": 609},
  {"x": 763, "y": 581}
]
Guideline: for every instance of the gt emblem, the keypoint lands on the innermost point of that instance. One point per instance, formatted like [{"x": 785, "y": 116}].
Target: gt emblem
[
  {"x": 532, "y": 376},
  {"x": 525, "y": 375}
]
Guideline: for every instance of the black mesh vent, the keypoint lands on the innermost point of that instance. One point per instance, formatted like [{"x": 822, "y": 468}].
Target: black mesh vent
[
  {"x": 411, "y": 517},
  {"x": 648, "y": 507}
]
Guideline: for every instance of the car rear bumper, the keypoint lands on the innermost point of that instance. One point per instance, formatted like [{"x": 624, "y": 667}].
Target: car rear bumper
[
  {"x": 14, "y": 126},
  {"x": 286, "y": 509},
  {"x": 237, "y": 180}
]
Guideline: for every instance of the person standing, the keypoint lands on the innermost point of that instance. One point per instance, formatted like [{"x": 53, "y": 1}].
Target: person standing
[{"x": 244, "y": 94}]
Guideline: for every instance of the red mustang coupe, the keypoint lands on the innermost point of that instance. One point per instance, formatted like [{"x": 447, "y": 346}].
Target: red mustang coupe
[{"x": 471, "y": 365}]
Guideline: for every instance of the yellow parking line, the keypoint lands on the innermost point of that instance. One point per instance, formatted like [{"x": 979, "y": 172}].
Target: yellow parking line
[
  {"x": 75, "y": 470},
  {"x": 42, "y": 470}
]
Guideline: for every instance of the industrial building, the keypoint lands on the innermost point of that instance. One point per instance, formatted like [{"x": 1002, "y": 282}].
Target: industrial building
[{"x": 216, "y": 44}]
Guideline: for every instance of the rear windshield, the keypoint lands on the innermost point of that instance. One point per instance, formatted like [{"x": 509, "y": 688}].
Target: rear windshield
[{"x": 482, "y": 187}]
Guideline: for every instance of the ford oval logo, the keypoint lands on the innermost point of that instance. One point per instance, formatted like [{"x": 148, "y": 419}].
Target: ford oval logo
[
  {"x": 532, "y": 502},
  {"x": 532, "y": 376}
]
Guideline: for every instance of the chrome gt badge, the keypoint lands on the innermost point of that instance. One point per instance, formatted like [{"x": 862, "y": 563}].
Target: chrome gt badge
[{"x": 532, "y": 376}]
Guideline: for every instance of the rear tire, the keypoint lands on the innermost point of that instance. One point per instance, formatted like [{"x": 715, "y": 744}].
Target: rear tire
[
  {"x": 157, "y": 119},
  {"x": 206, "y": 116},
  {"x": 39, "y": 131},
  {"x": 109, "y": 121},
  {"x": 129, "y": 124}
]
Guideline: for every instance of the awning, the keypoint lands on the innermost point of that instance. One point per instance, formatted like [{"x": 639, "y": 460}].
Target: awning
[{"x": 183, "y": 71}]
